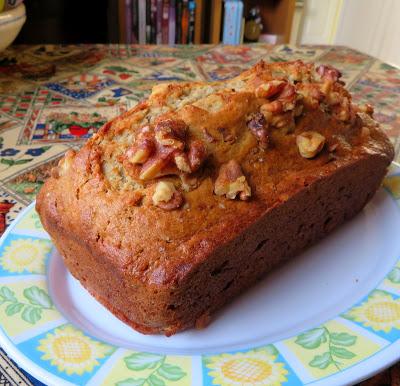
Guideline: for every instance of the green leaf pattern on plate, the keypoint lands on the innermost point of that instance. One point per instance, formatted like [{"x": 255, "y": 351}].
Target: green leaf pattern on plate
[
  {"x": 312, "y": 338},
  {"x": 36, "y": 219},
  {"x": 394, "y": 275},
  {"x": 321, "y": 361},
  {"x": 335, "y": 346},
  {"x": 131, "y": 382},
  {"x": 38, "y": 299},
  {"x": 161, "y": 370}
]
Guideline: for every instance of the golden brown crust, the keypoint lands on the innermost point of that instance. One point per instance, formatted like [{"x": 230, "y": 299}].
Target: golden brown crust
[{"x": 99, "y": 202}]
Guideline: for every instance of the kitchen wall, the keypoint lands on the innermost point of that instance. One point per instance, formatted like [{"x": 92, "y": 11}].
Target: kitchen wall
[{"x": 370, "y": 26}]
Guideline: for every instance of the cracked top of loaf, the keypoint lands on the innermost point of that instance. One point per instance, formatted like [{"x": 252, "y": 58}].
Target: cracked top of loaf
[{"x": 193, "y": 165}]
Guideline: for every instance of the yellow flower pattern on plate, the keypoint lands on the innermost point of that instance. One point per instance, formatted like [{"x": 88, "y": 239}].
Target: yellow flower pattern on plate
[
  {"x": 381, "y": 312},
  {"x": 72, "y": 351},
  {"x": 392, "y": 183},
  {"x": 25, "y": 254},
  {"x": 255, "y": 368}
]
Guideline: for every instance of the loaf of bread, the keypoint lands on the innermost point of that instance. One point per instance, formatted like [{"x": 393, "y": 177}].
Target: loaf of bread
[{"x": 180, "y": 204}]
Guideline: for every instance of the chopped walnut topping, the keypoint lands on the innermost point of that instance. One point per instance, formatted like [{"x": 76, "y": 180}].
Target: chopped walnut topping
[
  {"x": 269, "y": 89},
  {"x": 284, "y": 122},
  {"x": 311, "y": 93},
  {"x": 197, "y": 155},
  {"x": 156, "y": 165},
  {"x": 288, "y": 97},
  {"x": 274, "y": 107},
  {"x": 328, "y": 72},
  {"x": 140, "y": 153},
  {"x": 367, "y": 109},
  {"x": 232, "y": 182},
  {"x": 164, "y": 150},
  {"x": 163, "y": 192},
  {"x": 343, "y": 111},
  {"x": 166, "y": 196},
  {"x": 280, "y": 112},
  {"x": 171, "y": 133},
  {"x": 182, "y": 162},
  {"x": 333, "y": 98},
  {"x": 310, "y": 143},
  {"x": 258, "y": 126},
  {"x": 189, "y": 182}
]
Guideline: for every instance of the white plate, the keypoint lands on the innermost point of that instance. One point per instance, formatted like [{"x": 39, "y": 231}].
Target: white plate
[{"x": 331, "y": 316}]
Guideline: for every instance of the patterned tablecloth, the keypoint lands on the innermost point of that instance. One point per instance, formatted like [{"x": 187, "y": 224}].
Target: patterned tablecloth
[{"x": 53, "y": 98}]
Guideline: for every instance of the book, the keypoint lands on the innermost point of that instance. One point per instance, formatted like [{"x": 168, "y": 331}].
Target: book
[
  {"x": 215, "y": 26},
  {"x": 178, "y": 18},
  {"x": 232, "y": 22},
  {"x": 185, "y": 22},
  {"x": 128, "y": 21},
  {"x": 172, "y": 22},
  {"x": 241, "y": 38},
  {"x": 199, "y": 20},
  {"x": 159, "y": 22},
  {"x": 153, "y": 22},
  {"x": 192, "y": 7},
  {"x": 112, "y": 21},
  {"x": 121, "y": 18},
  {"x": 165, "y": 23},
  {"x": 133, "y": 16},
  {"x": 142, "y": 22},
  {"x": 148, "y": 21}
]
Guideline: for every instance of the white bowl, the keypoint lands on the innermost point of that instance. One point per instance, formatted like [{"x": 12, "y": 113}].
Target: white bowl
[{"x": 11, "y": 22}]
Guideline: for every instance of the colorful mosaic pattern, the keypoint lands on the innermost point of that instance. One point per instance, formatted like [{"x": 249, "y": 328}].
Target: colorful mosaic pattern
[{"x": 53, "y": 98}]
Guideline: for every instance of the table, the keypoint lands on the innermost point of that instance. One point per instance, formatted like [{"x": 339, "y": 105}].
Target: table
[{"x": 53, "y": 97}]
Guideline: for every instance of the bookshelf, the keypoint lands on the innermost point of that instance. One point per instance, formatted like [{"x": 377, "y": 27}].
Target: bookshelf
[{"x": 276, "y": 15}]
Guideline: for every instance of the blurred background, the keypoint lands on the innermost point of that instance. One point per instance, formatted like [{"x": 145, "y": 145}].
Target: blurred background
[{"x": 367, "y": 25}]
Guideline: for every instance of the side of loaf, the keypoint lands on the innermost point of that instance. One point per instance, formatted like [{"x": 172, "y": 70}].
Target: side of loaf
[{"x": 183, "y": 202}]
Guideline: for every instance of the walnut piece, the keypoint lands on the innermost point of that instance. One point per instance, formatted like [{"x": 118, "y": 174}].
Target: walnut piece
[
  {"x": 328, "y": 72},
  {"x": 269, "y": 89},
  {"x": 197, "y": 154},
  {"x": 166, "y": 196},
  {"x": 310, "y": 143},
  {"x": 171, "y": 133},
  {"x": 258, "y": 126},
  {"x": 274, "y": 107},
  {"x": 281, "y": 110},
  {"x": 163, "y": 149},
  {"x": 367, "y": 109},
  {"x": 232, "y": 182},
  {"x": 140, "y": 153}
]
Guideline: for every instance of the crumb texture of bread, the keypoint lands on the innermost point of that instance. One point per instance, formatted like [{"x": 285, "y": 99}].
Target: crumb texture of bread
[{"x": 178, "y": 205}]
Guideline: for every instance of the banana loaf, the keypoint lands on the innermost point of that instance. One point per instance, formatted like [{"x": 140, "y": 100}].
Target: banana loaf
[{"x": 178, "y": 205}]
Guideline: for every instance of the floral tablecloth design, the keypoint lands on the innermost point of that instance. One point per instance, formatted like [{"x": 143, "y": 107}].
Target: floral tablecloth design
[{"x": 54, "y": 97}]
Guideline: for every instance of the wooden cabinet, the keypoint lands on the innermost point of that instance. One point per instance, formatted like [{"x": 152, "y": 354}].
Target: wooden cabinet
[{"x": 277, "y": 17}]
